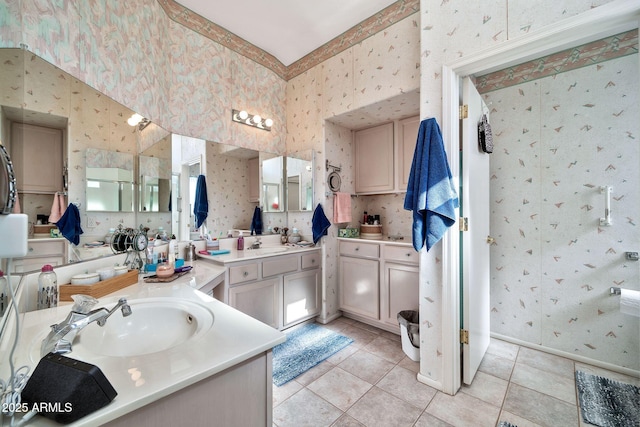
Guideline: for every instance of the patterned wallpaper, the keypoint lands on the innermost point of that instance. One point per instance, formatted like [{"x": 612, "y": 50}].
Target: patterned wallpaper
[
  {"x": 450, "y": 30},
  {"x": 558, "y": 139}
]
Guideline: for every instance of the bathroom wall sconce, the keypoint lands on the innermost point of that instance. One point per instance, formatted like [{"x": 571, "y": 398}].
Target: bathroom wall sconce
[
  {"x": 137, "y": 120},
  {"x": 251, "y": 120}
]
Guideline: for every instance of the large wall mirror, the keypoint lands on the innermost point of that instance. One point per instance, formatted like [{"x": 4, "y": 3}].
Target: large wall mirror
[
  {"x": 110, "y": 183},
  {"x": 299, "y": 174},
  {"x": 154, "y": 167}
]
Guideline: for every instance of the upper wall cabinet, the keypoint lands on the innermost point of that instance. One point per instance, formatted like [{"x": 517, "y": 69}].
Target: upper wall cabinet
[
  {"x": 37, "y": 157},
  {"x": 383, "y": 156},
  {"x": 374, "y": 159}
]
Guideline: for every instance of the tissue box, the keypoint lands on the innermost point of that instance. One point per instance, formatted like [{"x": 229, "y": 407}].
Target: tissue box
[{"x": 348, "y": 232}]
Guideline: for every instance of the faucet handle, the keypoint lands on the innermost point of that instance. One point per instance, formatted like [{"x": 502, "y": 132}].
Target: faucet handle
[{"x": 83, "y": 303}]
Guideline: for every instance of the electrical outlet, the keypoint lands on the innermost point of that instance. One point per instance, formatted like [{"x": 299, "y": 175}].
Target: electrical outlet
[{"x": 91, "y": 222}]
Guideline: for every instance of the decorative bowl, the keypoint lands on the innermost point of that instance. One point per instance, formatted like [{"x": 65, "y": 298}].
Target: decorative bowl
[{"x": 85, "y": 279}]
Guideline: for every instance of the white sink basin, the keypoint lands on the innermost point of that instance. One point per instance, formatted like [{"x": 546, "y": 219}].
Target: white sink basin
[
  {"x": 154, "y": 325},
  {"x": 267, "y": 251}
]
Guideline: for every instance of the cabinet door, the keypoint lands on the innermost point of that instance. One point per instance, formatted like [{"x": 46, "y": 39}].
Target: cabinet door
[
  {"x": 407, "y": 136},
  {"x": 254, "y": 179},
  {"x": 399, "y": 291},
  {"x": 359, "y": 286},
  {"x": 258, "y": 300},
  {"x": 36, "y": 152},
  {"x": 374, "y": 159},
  {"x": 302, "y": 296}
]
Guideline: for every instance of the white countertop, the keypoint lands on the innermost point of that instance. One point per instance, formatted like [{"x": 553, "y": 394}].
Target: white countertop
[
  {"x": 384, "y": 239},
  {"x": 252, "y": 254},
  {"x": 233, "y": 338}
]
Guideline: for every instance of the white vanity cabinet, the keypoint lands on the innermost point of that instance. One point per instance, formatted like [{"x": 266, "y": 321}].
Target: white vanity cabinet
[
  {"x": 280, "y": 291},
  {"x": 378, "y": 280}
]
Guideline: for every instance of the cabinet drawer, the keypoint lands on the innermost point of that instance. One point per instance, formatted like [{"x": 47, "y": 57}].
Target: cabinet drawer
[
  {"x": 358, "y": 249},
  {"x": 279, "y": 265},
  {"x": 402, "y": 254},
  {"x": 243, "y": 273},
  {"x": 45, "y": 248},
  {"x": 311, "y": 260}
]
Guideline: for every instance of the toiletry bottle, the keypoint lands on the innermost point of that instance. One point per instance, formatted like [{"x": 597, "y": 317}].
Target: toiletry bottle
[
  {"x": 365, "y": 218},
  {"x": 4, "y": 294},
  {"x": 47, "y": 288},
  {"x": 240, "y": 242},
  {"x": 295, "y": 236}
]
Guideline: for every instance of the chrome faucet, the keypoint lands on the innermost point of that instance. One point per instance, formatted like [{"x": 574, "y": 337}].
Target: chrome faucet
[
  {"x": 62, "y": 335},
  {"x": 256, "y": 243}
]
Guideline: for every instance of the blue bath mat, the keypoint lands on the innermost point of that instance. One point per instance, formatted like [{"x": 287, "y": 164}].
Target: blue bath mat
[
  {"x": 304, "y": 348},
  {"x": 608, "y": 403}
]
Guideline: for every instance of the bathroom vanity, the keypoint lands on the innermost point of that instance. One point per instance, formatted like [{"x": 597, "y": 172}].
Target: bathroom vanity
[
  {"x": 280, "y": 286},
  {"x": 211, "y": 363},
  {"x": 378, "y": 279}
]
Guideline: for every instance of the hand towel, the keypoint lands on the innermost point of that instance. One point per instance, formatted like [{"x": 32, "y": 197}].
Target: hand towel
[
  {"x": 430, "y": 191},
  {"x": 201, "y": 205},
  {"x": 319, "y": 223},
  {"x": 56, "y": 212},
  {"x": 341, "y": 207},
  {"x": 256, "y": 221},
  {"x": 69, "y": 224}
]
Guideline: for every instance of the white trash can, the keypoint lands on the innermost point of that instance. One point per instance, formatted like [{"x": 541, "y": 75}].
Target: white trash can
[{"x": 410, "y": 333}]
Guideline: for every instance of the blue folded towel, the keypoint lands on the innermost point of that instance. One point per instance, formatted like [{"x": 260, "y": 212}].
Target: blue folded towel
[
  {"x": 69, "y": 224},
  {"x": 430, "y": 191},
  {"x": 201, "y": 204},
  {"x": 256, "y": 221},
  {"x": 319, "y": 223},
  {"x": 219, "y": 252}
]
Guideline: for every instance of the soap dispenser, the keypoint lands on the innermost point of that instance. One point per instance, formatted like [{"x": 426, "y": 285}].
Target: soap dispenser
[{"x": 240, "y": 242}]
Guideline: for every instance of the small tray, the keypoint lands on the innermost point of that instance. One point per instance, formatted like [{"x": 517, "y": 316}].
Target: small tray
[
  {"x": 156, "y": 279},
  {"x": 100, "y": 289}
]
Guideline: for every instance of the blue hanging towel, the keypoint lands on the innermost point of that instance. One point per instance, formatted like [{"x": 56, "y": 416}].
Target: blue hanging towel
[
  {"x": 256, "y": 221},
  {"x": 69, "y": 224},
  {"x": 201, "y": 205},
  {"x": 319, "y": 223},
  {"x": 430, "y": 191}
]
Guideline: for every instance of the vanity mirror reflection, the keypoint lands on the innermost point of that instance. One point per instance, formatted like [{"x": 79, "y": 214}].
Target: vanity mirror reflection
[
  {"x": 272, "y": 182},
  {"x": 299, "y": 173},
  {"x": 109, "y": 178}
]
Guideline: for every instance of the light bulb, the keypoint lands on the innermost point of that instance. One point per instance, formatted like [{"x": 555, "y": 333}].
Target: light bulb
[
  {"x": 243, "y": 115},
  {"x": 134, "y": 119},
  {"x": 257, "y": 119},
  {"x": 268, "y": 123}
]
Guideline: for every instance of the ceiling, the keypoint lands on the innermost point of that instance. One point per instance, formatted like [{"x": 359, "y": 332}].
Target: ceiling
[{"x": 287, "y": 29}]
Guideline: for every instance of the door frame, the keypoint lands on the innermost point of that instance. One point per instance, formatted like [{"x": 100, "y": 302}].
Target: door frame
[{"x": 604, "y": 21}]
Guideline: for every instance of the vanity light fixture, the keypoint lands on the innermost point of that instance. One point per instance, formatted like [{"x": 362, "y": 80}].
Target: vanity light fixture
[
  {"x": 137, "y": 120},
  {"x": 251, "y": 120}
]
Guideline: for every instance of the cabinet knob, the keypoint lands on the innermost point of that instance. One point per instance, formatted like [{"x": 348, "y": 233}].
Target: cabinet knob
[
  {"x": 409, "y": 254},
  {"x": 245, "y": 274},
  {"x": 313, "y": 261},
  {"x": 30, "y": 249},
  {"x": 357, "y": 249}
]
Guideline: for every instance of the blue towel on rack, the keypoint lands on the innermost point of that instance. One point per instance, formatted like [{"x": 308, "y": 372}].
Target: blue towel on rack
[
  {"x": 201, "y": 205},
  {"x": 319, "y": 223},
  {"x": 430, "y": 191},
  {"x": 69, "y": 224},
  {"x": 256, "y": 221}
]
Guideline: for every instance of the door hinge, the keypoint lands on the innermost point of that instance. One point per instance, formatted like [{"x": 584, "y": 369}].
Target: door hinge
[
  {"x": 464, "y": 223},
  {"x": 464, "y": 336},
  {"x": 464, "y": 111}
]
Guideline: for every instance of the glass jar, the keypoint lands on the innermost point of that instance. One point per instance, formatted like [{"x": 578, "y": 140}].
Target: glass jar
[
  {"x": 47, "y": 288},
  {"x": 295, "y": 237}
]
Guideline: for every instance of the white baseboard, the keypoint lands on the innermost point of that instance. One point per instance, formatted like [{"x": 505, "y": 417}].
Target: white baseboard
[
  {"x": 325, "y": 320},
  {"x": 574, "y": 357}
]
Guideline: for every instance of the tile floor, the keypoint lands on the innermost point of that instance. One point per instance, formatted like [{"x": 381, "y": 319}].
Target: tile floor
[{"x": 372, "y": 383}]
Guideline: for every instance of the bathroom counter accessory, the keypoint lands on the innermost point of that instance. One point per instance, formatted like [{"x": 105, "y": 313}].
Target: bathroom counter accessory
[{"x": 101, "y": 288}]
